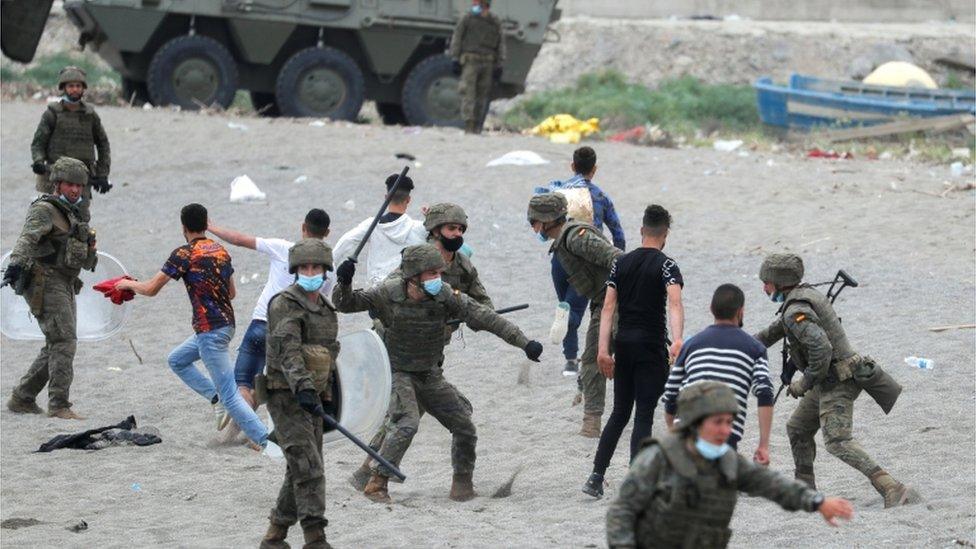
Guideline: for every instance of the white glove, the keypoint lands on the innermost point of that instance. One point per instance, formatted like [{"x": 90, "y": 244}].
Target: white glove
[{"x": 560, "y": 323}]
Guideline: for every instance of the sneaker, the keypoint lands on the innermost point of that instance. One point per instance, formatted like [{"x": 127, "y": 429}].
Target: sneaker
[
  {"x": 594, "y": 485},
  {"x": 571, "y": 368},
  {"x": 221, "y": 415}
]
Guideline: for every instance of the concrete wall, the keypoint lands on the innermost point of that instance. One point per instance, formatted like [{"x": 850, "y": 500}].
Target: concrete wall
[{"x": 867, "y": 11}]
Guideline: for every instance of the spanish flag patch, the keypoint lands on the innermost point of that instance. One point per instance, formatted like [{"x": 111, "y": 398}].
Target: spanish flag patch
[
  {"x": 581, "y": 232},
  {"x": 800, "y": 317}
]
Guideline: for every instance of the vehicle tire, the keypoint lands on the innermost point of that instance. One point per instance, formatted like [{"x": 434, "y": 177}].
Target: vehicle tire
[
  {"x": 134, "y": 93},
  {"x": 320, "y": 82},
  {"x": 191, "y": 71},
  {"x": 391, "y": 114},
  {"x": 265, "y": 104},
  {"x": 430, "y": 94}
]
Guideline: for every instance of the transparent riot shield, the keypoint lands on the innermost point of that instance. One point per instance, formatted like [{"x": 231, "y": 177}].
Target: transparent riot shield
[
  {"x": 98, "y": 318},
  {"x": 364, "y": 384}
]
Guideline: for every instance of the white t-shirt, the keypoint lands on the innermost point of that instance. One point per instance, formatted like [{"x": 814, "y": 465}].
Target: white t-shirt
[{"x": 278, "y": 276}]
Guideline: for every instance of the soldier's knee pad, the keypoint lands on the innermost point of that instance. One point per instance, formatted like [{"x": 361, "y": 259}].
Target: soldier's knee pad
[
  {"x": 304, "y": 463},
  {"x": 406, "y": 431},
  {"x": 837, "y": 445},
  {"x": 795, "y": 430}
]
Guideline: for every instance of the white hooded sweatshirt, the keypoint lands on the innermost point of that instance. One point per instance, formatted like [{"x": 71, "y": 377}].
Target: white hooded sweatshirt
[{"x": 384, "y": 246}]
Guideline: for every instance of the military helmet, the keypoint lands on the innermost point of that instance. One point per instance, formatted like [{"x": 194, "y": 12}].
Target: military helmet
[
  {"x": 700, "y": 400},
  {"x": 70, "y": 170},
  {"x": 420, "y": 258},
  {"x": 72, "y": 73},
  {"x": 444, "y": 213},
  {"x": 782, "y": 270},
  {"x": 309, "y": 251},
  {"x": 547, "y": 207}
]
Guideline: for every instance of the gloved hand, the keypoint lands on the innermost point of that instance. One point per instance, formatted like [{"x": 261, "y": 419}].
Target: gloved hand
[
  {"x": 796, "y": 389},
  {"x": 309, "y": 400},
  {"x": 100, "y": 184},
  {"x": 11, "y": 274},
  {"x": 40, "y": 168},
  {"x": 496, "y": 74},
  {"x": 456, "y": 68},
  {"x": 533, "y": 350},
  {"x": 346, "y": 271}
]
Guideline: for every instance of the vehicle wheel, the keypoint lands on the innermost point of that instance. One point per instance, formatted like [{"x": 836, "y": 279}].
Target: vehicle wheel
[
  {"x": 192, "y": 71},
  {"x": 321, "y": 82},
  {"x": 430, "y": 94},
  {"x": 391, "y": 114},
  {"x": 134, "y": 93},
  {"x": 265, "y": 103}
]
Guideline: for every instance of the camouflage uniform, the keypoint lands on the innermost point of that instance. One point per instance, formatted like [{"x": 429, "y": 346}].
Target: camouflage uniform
[
  {"x": 300, "y": 333},
  {"x": 673, "y": 497},
  {"x": 479, "y": 45},
  {"x": 54, "y": 246},
  {"x": 832, "y": 377},
  {"x": 74, "y": 133}
]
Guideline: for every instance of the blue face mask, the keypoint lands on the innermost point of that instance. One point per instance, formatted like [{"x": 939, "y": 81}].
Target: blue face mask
[
  {"x": 66, "y": 201},
  {"x": 433, "y": 286},
  {"x": 542, "y": 237},
  {"x": 777, "y": 296},
  {"x": 476, "y": 9},
  {"x": 310, "y": 283},
  {"x": 67, "y": 99},
  {"x": 711, "y": 451}
]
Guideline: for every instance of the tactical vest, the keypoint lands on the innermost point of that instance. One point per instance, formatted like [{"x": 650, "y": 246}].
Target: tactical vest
[
  {"x": 829, "y": 323},
  {"x": 585, "y": 277},
  {"x": 481, "y": 36},
  {"x": 73, "y": 134},
  {"x": 320, "y": 328},
  {"x": 692, "y": 504},
  {"x": 415, "y": 332},
  {"x": 66, "y": 248}
]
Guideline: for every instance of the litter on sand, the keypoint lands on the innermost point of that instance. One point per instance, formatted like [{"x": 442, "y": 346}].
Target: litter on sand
[
  {"x": 517, "y": 158},
  {"x": 317, "y": 124},
  {"x": 243, "y": 189},
  {"x": 301, "y": 179},
  {"x": 237, "y": 126},
  {"x": 565, "y": 128},
  {"x": 726, "y": 146}
]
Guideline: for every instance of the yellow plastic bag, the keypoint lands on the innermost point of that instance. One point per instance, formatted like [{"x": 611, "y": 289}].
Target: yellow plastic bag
[{"x": 565, "y": 128}]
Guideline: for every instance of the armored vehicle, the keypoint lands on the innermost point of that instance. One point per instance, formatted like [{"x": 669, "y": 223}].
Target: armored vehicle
[{"x": 296, "y": 57}]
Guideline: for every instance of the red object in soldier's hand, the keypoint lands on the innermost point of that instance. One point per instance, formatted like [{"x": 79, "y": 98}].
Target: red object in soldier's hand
[{"x": 107, "y": 287}]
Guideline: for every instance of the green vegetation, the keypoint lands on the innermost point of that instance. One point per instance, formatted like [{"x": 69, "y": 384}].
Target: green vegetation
[
  {"x": 680, "y": 105},
  {"x": 44, "y": 71}
]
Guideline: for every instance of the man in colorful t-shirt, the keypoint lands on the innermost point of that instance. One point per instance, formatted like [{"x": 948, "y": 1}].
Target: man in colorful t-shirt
[{"x": 206, "y": 270}]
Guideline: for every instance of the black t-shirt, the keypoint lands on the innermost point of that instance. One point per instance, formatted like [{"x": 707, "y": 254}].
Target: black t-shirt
[{"x": 641, "y": 278}]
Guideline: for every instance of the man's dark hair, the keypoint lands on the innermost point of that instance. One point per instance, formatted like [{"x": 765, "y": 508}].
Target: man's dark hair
[
  {"x": 657, "y": 220},
  {"x": 584, "y": 160},
  {"x": 726, "y": 301},
  {"x": 317, "y": 222},
  {"x": 403, "y": 191},
  {"x": 194, "y": 218}
]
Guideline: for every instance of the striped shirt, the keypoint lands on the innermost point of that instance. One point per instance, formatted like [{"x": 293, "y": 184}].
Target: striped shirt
[{"x": 727, "y": 354}]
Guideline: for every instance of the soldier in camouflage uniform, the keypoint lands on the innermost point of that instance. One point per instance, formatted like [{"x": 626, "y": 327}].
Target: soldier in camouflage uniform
[
  {"x": 71, "y": 128},
  {"x": 587, "y": 256},
  {"x": 301, "y": 349},
  {"x": 445, "y": 224},
  {"x": 833, "y": 375},
  {"x": 478, "y": 50},
  {"x": 414, "y": 305},
  {"x": 52, "y": 249},
  {"x": 681, "y": 489}
]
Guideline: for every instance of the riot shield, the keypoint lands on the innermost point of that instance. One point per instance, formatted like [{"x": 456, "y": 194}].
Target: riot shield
[
  {"x": 98, "y": 318},
  {"x": 363, "y": 371}
]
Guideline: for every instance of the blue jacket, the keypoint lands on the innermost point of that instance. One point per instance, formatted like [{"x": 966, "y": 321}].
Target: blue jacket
[{"x": 603, "y": 210}]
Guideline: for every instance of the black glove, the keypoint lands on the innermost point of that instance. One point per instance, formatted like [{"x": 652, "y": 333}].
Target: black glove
[
  {"x": 496, "y": 74},
  {"x": 100, "y": 184},
  {"x": 11, "y": 274},
  {"x": 456, "y": 68},
  {"x": 346, "y": 271},
  {"x": 309, "y": 400},
  {"x": 533, "y": 350},
  {"x": 40, "y": 168}
]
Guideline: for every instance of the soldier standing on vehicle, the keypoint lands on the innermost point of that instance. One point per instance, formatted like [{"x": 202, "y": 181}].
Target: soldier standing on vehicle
[
  {"x": 833, "y": 376},
  {"x": 44, "y": 265},
  {"x": 72, "y": 128},
  {"x": 414, "y": 305},
  {"x": 682, "y": 488},
  {"x": 478, "y": 50},
  {"x": 301, "y": 352},
  {"x": 587, "y": 256}
]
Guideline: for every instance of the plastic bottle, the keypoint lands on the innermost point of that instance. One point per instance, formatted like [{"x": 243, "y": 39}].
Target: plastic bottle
[
  {"x": 560, "y": 323},
  {"x": 920, "y": 363}
]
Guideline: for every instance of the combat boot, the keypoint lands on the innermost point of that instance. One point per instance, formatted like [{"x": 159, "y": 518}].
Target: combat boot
[
  {"x": 315, "y": 538},
  {"x": 23, "y": 406},
  {"x": 361, "y": 476},
  {"x": 894, "y": 493},
  {"x": 275, "y": 537},
  {"x": 376, "y": 489},
  {"x": 462, "y": 488},
  {"x": 63, "y": 413},
  {"x": 591, "y": 425}
]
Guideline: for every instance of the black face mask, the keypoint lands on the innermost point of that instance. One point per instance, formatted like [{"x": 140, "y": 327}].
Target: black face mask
[{"x": 452, "y": 244}]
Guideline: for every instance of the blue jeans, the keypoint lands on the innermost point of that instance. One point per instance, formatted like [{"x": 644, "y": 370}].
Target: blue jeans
[
  {"x": 250, "y": 354},
  {"x": 212, "y": 348},
  {"x": 577, "y": 306}
]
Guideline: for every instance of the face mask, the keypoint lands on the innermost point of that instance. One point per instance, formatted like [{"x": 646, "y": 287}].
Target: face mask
[
  {"x": 68, "y": 99},
  {"x": 433, "y": 286},
  {"x": 310, "y": 283},
  {"x": 476, "y": 9},
  {"x": 542, "y": 237},
  {"x": 66, "y": 201},
  {"x": 777, "y": 296},
  {"x": 711, "y": 451},
  {"x": 452, "y": 244}
]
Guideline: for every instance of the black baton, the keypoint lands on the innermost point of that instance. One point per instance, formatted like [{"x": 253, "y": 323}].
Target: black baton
[
  {"x": 501, "y": 311},
  {"x": 386, "y": 202},
  {"x": 331, "y": 422}
]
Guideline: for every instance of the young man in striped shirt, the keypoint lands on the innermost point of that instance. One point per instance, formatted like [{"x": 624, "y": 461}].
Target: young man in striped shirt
[{"x": 725, "y": 352}]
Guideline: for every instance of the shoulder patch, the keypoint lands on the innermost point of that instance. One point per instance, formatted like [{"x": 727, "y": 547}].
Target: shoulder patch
[
  {"x": 581, "y": 232},
  {"x": 800, "y": 317}
]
